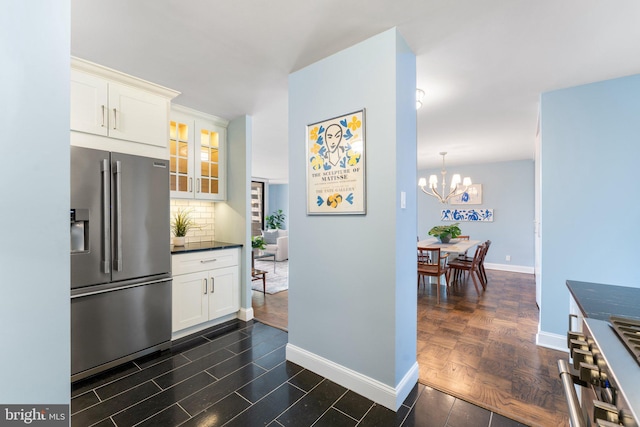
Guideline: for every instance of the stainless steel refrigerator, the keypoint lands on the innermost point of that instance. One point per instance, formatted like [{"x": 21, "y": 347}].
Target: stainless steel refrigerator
[{"x": 120, "y": 259}]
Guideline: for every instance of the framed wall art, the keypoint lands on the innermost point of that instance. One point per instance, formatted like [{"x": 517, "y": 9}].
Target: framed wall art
[
  {"x": 335, "y": 158},
  {"x": 472, "y": 196},
  {"x": 473, "y": 215}
]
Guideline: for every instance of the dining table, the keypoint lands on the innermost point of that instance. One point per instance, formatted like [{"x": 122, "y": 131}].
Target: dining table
[
  {"x": 454, "y": 246},
  {"x": 459, "y": 246}
]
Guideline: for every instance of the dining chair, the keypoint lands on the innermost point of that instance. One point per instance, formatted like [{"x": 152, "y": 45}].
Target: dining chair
[
  {"x": 421, "y": 257},
  {"x": 484, "y": 255},
  {"x": 432, "y": 262},
  {"x": 472, "y": 267},
  {"x": 483, "y": 273},
  {"x": 463, "y": 255}
]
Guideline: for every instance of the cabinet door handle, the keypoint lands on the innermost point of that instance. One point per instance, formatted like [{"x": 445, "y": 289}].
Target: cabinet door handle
[
  {"x": 205, "y": 286},
  {"x": 202, "y": 261},
  {"x": 572, "y": 316},
  {"x": 190, "y": 185},
  {"x": 213, "y": 284},
  {"x": 102, "y": 124},
  {"x": 114, "y": 118},
  {"x": 198, "y": 185}
]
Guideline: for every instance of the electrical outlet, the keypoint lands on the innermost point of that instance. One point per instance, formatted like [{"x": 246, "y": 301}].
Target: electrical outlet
[{"x": 508, "y": 258}]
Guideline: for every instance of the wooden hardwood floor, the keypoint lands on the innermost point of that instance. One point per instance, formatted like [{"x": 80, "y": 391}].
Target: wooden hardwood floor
[
  {"x": 482, "y": 349},
  {"x": 479, "y": 349},
  {"x": 271, "y": 309}
]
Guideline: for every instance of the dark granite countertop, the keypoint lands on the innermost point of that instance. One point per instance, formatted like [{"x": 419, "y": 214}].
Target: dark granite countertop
[
  {"x": 203, "y": 246},
  {"x": 599, "y": 301}
]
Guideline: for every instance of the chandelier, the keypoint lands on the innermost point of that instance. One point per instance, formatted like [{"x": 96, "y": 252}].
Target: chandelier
[{"x": 455, "y": 189}]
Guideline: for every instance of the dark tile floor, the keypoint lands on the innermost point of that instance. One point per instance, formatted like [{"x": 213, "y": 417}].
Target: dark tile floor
[{"x": 236, "y": 374}]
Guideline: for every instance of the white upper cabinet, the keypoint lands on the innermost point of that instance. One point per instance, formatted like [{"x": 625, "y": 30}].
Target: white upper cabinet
[
  {"x": 197, "y": 154},
  {"x": 111, "y": 104},
  {"x": 89, "y": 105}
]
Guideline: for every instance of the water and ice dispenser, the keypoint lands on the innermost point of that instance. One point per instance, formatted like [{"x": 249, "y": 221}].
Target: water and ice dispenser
[{"x": 79, "y": 230}]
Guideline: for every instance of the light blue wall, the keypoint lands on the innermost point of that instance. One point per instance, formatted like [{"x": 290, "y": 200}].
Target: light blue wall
[
  {"x": 34, "y": 259},
  {"x": 508, "y": 189},
  {"x": 405, "y": 217},
  {"x": 590, "y": 211},
  {"x": 279, "y": 199},
  {"x": 352, "y": 297},
  {"x": 231, "y": 217}
]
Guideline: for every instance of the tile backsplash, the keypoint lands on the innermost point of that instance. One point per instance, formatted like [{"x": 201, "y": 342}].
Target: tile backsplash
[{"x": 202, "y": 214}]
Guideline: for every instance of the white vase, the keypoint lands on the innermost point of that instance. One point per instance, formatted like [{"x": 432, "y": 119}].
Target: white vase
[{"x": 178, "y": 241}]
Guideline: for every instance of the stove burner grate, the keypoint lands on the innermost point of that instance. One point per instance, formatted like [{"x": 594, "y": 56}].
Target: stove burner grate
[{"x": 629, "y": 331}]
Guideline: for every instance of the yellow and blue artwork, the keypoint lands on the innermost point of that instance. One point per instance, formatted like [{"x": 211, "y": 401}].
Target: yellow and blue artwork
[{"x": 335, "y": 165}]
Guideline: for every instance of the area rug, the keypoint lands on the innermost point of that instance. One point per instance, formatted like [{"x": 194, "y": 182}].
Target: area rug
[{"x": 276, "y": 282}]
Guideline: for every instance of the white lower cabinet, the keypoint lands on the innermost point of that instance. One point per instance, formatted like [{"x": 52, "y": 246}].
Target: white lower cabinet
[
  {"x": 206, "y": 287},
  {"x": 224, "y": 297}
]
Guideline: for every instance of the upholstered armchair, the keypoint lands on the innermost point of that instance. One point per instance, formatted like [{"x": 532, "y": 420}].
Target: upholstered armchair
[{"x": 277, "y": 241}]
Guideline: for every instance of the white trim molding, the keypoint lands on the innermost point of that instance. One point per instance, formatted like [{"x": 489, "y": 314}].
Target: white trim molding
[
  {"x": 552, "y": 341},
  {"x": 380, "y": 393},
  {"x": 202, "y": 326},
  {"x": 200, "y": 115},
  {"x": 245, "y": 314},
  {"x": 120, "y": 77},
  {"x": 508, "y": 267}
]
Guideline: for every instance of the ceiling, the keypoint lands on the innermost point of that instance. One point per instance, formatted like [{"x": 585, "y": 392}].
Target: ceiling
[{"x": 483, "y": 64}]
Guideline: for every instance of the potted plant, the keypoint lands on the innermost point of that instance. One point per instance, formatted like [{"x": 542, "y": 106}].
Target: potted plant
[
  {"x": 257, "y": 242},
  {"x": 446, "y": 232},
  {"x": 180, "y": 226},
  {"x": 275, "y": 221}
]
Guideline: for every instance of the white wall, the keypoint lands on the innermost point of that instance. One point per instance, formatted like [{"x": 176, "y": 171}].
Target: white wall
[
  {"x": 34, "y": 258},
  {"x": 590, "y": 213},
  {"x": 352, "y": 297}
]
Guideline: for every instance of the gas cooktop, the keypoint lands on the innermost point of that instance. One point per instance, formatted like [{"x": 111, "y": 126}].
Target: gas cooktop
[
  {"x": 629, "y": 332},
  {"x": 622, "y": 367}
]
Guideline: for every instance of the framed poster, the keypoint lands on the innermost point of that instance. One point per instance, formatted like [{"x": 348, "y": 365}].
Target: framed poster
[{"x": 335, "y": 157}]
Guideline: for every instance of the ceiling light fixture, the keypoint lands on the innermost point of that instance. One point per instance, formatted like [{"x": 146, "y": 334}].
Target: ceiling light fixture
[
  {"x": 419, "y": 96},
  {"x": 455, "y": 190}
]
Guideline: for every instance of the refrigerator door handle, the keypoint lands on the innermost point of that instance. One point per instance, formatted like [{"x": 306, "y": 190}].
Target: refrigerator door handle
[
  {"x": 106, "y": 232},
  {"x": 118, "y": 223}
]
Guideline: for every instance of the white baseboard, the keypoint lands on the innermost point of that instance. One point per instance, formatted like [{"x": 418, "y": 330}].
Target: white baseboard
[
  {"x": 202, "y": 326},
  {"x": 552, "y": 341},
  {"x": 245, "y": 314},
  {"x": 509, "y": 267},
  {"x": 370, "y": 388}
]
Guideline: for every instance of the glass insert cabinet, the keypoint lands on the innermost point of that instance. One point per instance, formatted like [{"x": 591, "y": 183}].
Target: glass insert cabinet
[{"x": 197, "y": 154}]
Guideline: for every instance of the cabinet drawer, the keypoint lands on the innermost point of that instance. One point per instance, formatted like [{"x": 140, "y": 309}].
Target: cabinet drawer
[{"x": 202, "y": 261}]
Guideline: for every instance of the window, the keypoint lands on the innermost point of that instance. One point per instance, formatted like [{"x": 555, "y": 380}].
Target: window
[{"x": 257, "y": 207}]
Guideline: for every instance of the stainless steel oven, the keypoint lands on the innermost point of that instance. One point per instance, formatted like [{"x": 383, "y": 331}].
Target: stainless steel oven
[{"x": 601, "y": 380}]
